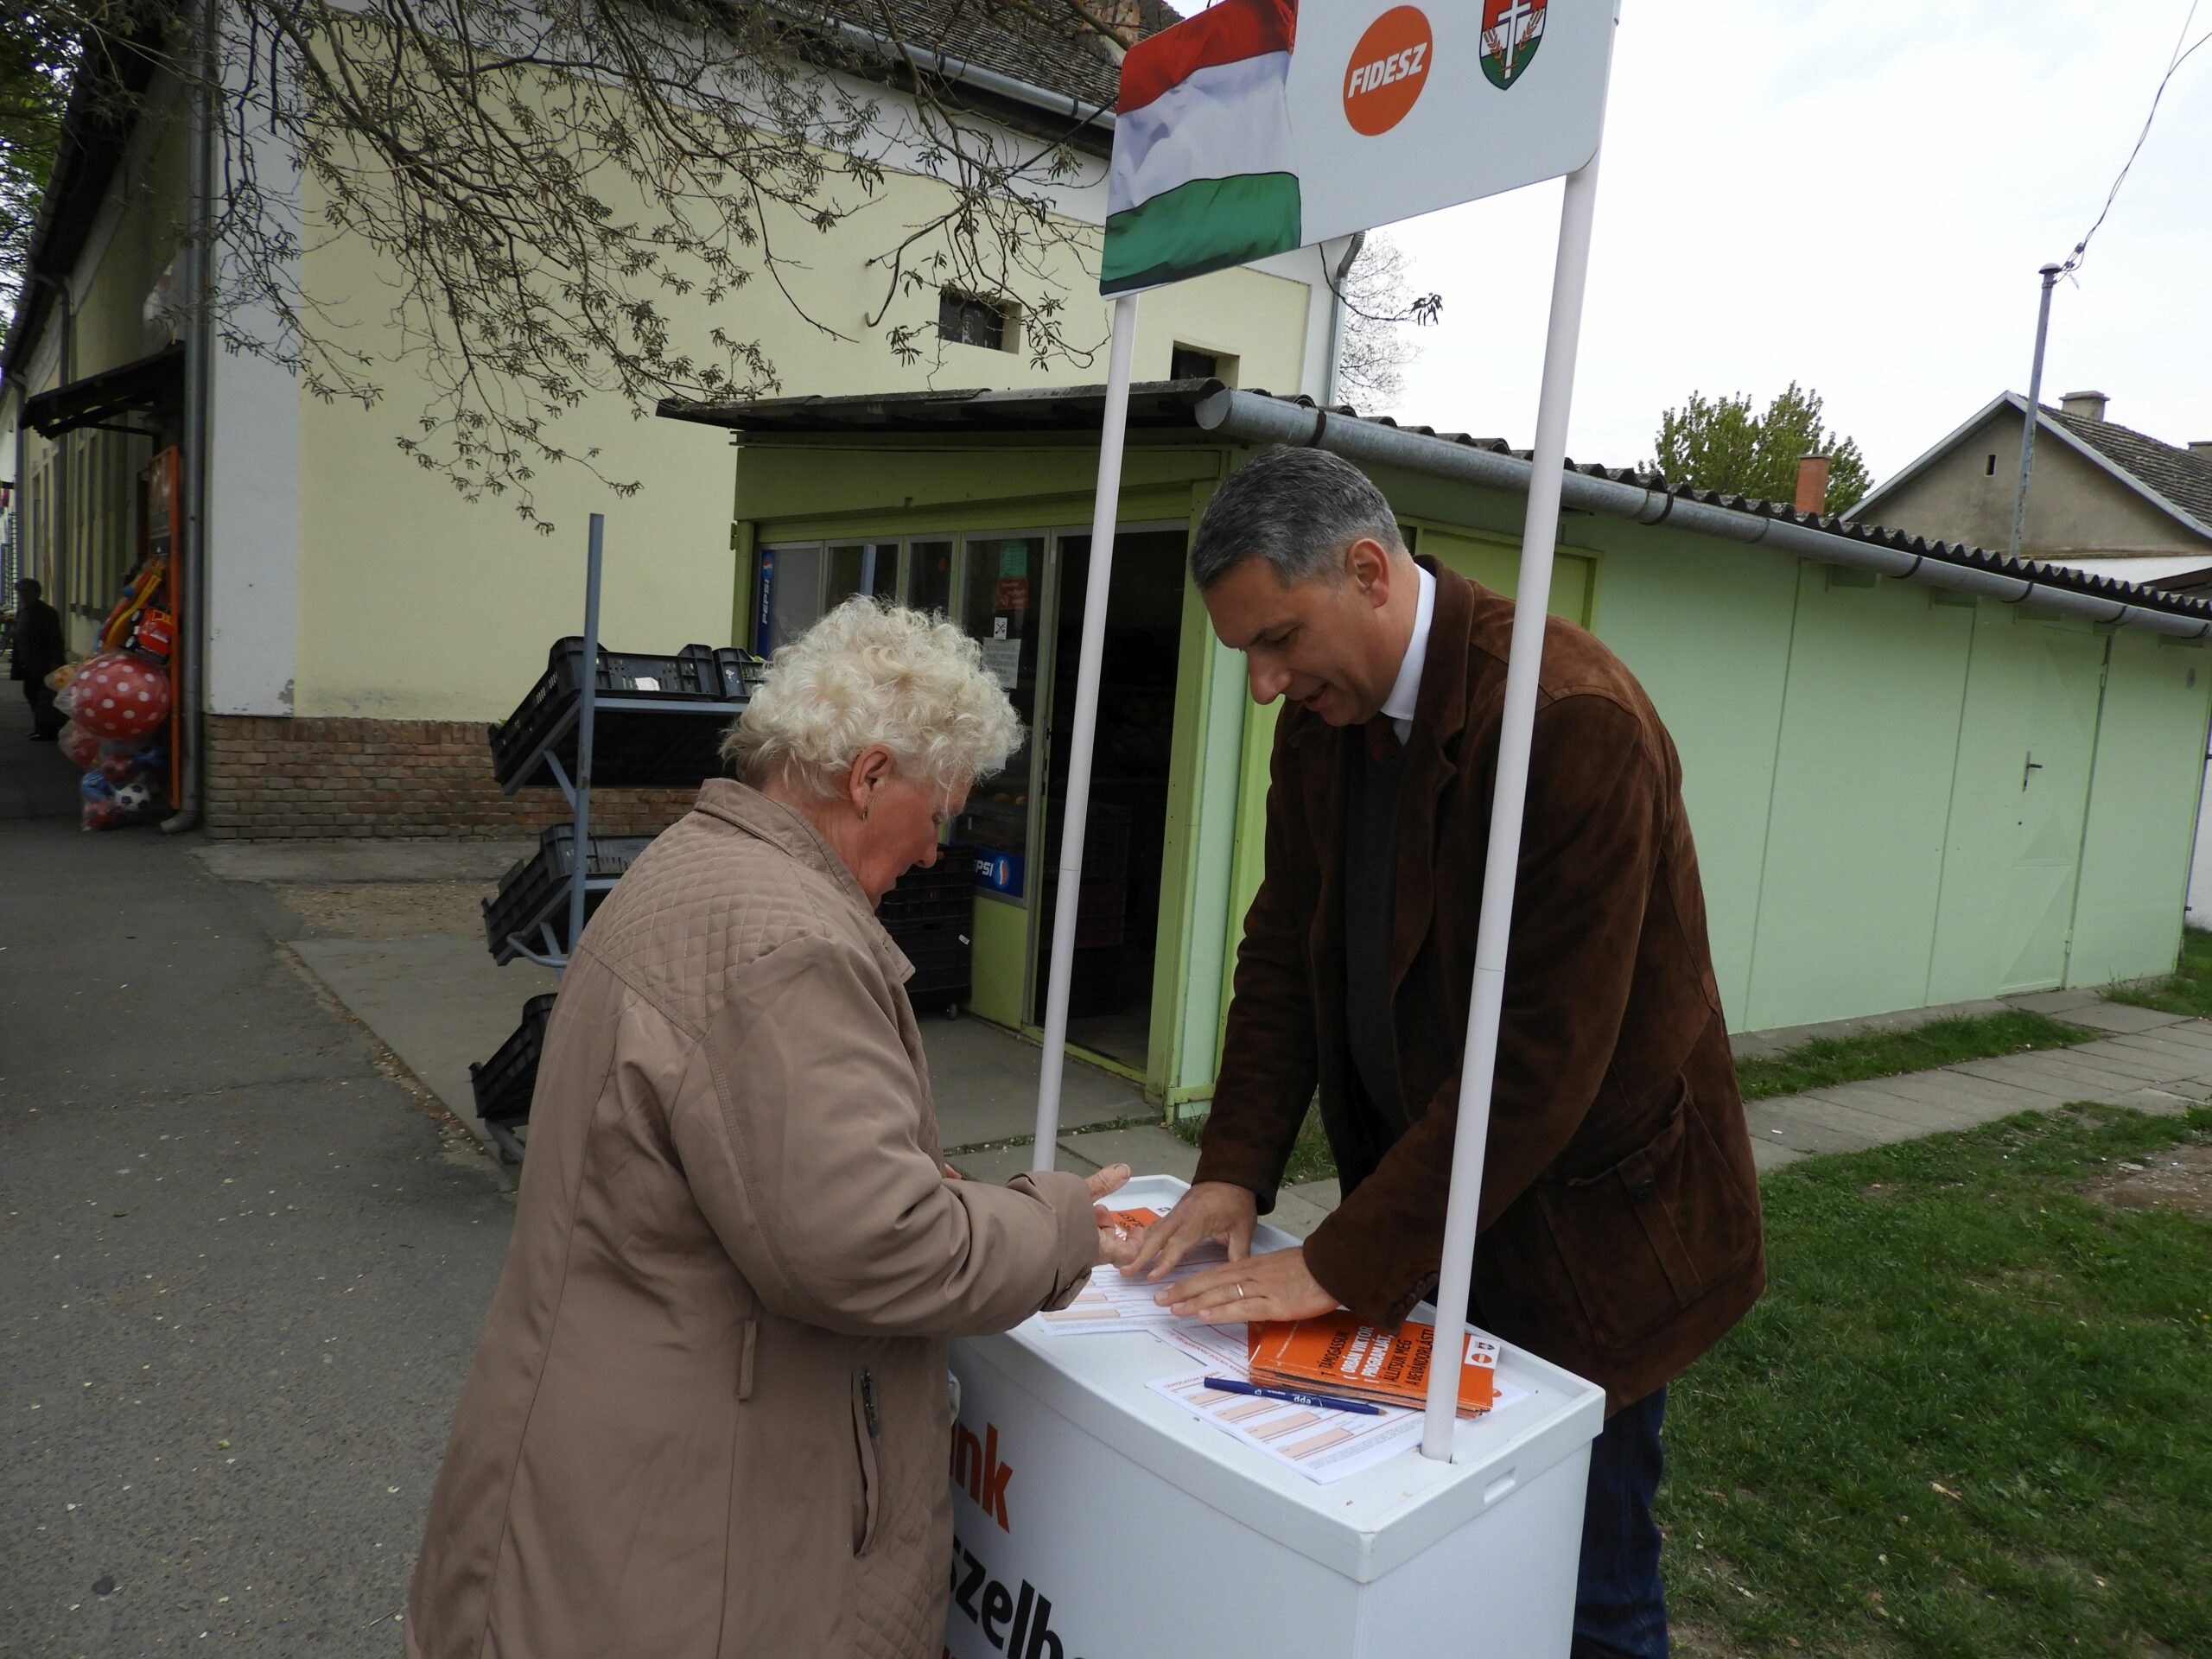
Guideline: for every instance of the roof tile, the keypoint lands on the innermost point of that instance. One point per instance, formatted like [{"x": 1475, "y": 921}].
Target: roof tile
[{"x": 2180, "y": 477}]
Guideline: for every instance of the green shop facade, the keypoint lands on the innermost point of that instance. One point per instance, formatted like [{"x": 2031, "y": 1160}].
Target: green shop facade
[{"x": 1918, "y": 774}]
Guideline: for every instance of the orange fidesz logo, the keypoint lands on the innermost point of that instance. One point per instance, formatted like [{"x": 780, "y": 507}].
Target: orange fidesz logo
[
  {"x": 976, "y": 1465},
  {"x": 1389, "y": 68}
]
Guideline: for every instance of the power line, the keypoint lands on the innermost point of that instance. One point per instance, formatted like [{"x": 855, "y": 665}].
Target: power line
[{"x": 2181, "y": 55}]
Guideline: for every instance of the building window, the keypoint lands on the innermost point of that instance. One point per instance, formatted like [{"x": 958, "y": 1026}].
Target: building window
[
  {"x": 967, "y": 320},
  {"x": 1187, "y": 364},
  {"x": 1989, "y": 470}
]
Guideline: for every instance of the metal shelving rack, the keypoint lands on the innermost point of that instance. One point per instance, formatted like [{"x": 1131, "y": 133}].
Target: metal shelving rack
[{"x": 544, "y": 757}]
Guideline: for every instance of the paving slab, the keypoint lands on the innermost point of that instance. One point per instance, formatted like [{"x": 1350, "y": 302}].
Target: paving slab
[
  {"x": 1148, "y": 1149},
  {"x": 2122, "y": 1017},
  {"x": 1001, "y": 1164},
  {"x": 985, "y": 1082},
  {"x": 438, "y": 1003},
  {"x": 2066, "y": 1066},
  {"x": 1788, "y": 1123},
  {"x": 2132, "y": 1062},
  {"x": 1772, "y": 1154},
  {"x": 337, "y": 863},
  {"x": 1908, "y": 1116},
  {"x": 2187, "y": 1056},
  {"x": 1967, "y": 1100},
  {"x": 2057, "y": 1004},
  {"x": 1832, "y": 1110},
  {"x": 2181, "y": 1042},
  {"x": 1295, "y": 1214},
  {"x": 2163, "y": 1101},
  {"x": 2015, "y": 1069}
]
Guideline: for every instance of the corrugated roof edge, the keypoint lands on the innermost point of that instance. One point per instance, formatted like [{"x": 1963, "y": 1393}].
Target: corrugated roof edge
[{"x": 1208, "y": 405}]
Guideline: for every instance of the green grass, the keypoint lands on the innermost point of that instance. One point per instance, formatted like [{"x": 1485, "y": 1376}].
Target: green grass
[
  {"x": 1823, "y": 1062},
  {"x": 1819, "y": 1063},
  {"x": 2187, "y": 990},
  {"x": 1968, "y": 1418}
]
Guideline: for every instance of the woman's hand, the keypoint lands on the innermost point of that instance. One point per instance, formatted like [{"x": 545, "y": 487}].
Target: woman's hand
[{"x": 1117, "y": 1244}]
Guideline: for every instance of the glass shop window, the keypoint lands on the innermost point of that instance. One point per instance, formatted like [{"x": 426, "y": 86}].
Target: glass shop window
[
  {"x": 929, "y": 577},
  {"x": 870, "y": 568},
  {"x": 1001, "y": 587}
]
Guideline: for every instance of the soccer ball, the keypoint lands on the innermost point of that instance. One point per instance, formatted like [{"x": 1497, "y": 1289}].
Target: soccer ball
[{"x": 135, "y": 796}]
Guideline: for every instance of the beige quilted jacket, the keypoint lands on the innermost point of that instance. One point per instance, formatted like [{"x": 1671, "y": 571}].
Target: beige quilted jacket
[{"x": 707, "y": 1415}]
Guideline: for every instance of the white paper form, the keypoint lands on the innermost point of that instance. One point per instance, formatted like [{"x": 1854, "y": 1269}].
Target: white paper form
[
  {"x": 1323, "y": 1446},
  {"x": 1113, "y": 1301}
]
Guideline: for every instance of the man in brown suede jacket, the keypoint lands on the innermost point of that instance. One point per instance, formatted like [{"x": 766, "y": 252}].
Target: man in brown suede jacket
[{"x": 1620, "y": 1217}]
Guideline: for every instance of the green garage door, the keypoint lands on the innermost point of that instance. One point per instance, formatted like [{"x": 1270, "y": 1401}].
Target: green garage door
[{"x": 2013, "y": 847}]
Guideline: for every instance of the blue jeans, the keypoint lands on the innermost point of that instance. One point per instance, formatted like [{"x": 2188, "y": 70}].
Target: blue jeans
[{"x": 1620, "y": 1611}]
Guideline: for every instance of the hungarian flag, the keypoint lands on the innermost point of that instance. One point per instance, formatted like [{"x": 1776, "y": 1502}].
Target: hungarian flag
[{"x": 1202, "y": 174}]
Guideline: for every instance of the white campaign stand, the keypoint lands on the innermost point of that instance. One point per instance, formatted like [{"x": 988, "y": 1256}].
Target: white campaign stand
[
  {"x": 1118, "y": 1524},
  {"x": 1132, "y": 1529}
]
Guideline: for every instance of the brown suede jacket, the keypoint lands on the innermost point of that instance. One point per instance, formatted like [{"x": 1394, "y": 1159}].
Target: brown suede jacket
[{"x": 1620, "y": 1229}]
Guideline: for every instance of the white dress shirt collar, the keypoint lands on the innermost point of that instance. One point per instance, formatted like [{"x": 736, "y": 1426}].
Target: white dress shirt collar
[{"x": 1400, "y": 704}]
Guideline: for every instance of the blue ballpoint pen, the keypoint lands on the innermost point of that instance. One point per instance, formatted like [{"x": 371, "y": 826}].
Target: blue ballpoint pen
[{"x": 1292, "y": 1396}]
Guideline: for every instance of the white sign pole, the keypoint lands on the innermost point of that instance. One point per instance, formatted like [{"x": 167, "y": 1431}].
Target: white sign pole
[
  {"x": 1075, "y": 817},
  {"x": 1476, "y": 1072}
]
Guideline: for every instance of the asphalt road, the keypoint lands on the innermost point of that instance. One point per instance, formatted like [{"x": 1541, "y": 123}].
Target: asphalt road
[{"x": 243, "y": 1269}]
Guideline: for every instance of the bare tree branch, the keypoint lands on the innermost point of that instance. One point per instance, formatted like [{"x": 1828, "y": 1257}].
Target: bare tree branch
[{"x": 554, "y": 198}]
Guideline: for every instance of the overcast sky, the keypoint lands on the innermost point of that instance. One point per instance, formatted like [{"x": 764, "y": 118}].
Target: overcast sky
[{"x": 1858, "y": 197}]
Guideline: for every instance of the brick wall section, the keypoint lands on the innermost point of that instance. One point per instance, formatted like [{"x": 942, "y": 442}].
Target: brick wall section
[{"x": 277, "y": 778}]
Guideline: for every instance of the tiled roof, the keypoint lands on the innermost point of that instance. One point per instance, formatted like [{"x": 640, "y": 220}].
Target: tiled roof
[
  {"x": 1031, "y": 40},
  {"x": 1173, "y": 404},
  {"x": 2180, "y": 477}
]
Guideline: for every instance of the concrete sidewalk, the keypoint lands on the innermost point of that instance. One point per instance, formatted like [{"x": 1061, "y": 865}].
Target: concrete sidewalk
[
  {"x": 2150, "y": 1061},
  {"x": 393, "y": 930},
  {"x": 246, "y": 1267}
]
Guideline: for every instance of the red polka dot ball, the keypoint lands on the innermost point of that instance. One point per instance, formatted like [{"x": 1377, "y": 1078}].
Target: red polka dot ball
[{"x": 119, "y": 695}]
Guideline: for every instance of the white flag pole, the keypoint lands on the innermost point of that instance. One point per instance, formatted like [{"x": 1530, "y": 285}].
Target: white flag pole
[
  {"x": 1476, "y": 1073},
  {"x": 1075, "y": 817}
]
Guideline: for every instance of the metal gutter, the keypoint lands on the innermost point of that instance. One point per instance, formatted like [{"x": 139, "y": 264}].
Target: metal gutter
[
  {"x": 958, "y": 71},
  {"x": 198, "y": 259},
  {"x": 1258, "y": 418}
]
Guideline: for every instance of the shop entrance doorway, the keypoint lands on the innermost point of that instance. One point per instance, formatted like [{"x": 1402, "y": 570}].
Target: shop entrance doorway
[{"x": 1117, "y": 926}]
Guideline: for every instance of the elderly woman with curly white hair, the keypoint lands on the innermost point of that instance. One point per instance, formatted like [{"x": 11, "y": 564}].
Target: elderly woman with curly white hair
[{"x": 708, "y": 1414}]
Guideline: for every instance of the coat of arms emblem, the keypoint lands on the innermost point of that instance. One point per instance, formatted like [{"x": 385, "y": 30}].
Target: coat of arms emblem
[{"x": 1512, "y": 30}]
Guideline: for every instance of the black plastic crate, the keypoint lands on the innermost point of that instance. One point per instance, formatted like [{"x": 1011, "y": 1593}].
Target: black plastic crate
[
  {"x": 502, "y": 1085},
  {"x": 1105, "y": 842},
  {"x": 931, "y": 916},
  {"x": 943, "y": 893},
  {"x": 535, "y": 890},
  {"x": 938, "y": 992},
  {"x": 694, "y": 695}
]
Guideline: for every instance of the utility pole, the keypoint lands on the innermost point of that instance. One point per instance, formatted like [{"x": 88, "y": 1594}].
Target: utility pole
[{"x": 2051, "y": 275}]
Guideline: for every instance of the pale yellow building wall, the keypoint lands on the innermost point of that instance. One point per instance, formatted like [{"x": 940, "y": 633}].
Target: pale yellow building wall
[{"x": 414, "y": 603}]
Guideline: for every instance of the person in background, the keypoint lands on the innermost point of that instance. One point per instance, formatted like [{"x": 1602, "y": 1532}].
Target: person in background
[
  {"x": 34, "y": 650},
  {"x": 709, "y": 1412},
  {"x": 1619, "y": 1218}
]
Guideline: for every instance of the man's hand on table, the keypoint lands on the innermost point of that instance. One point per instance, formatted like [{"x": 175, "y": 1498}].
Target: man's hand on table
[
  {"x": 1273, "y": 1285},
  {"x": 1276, "y": 1286}
]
